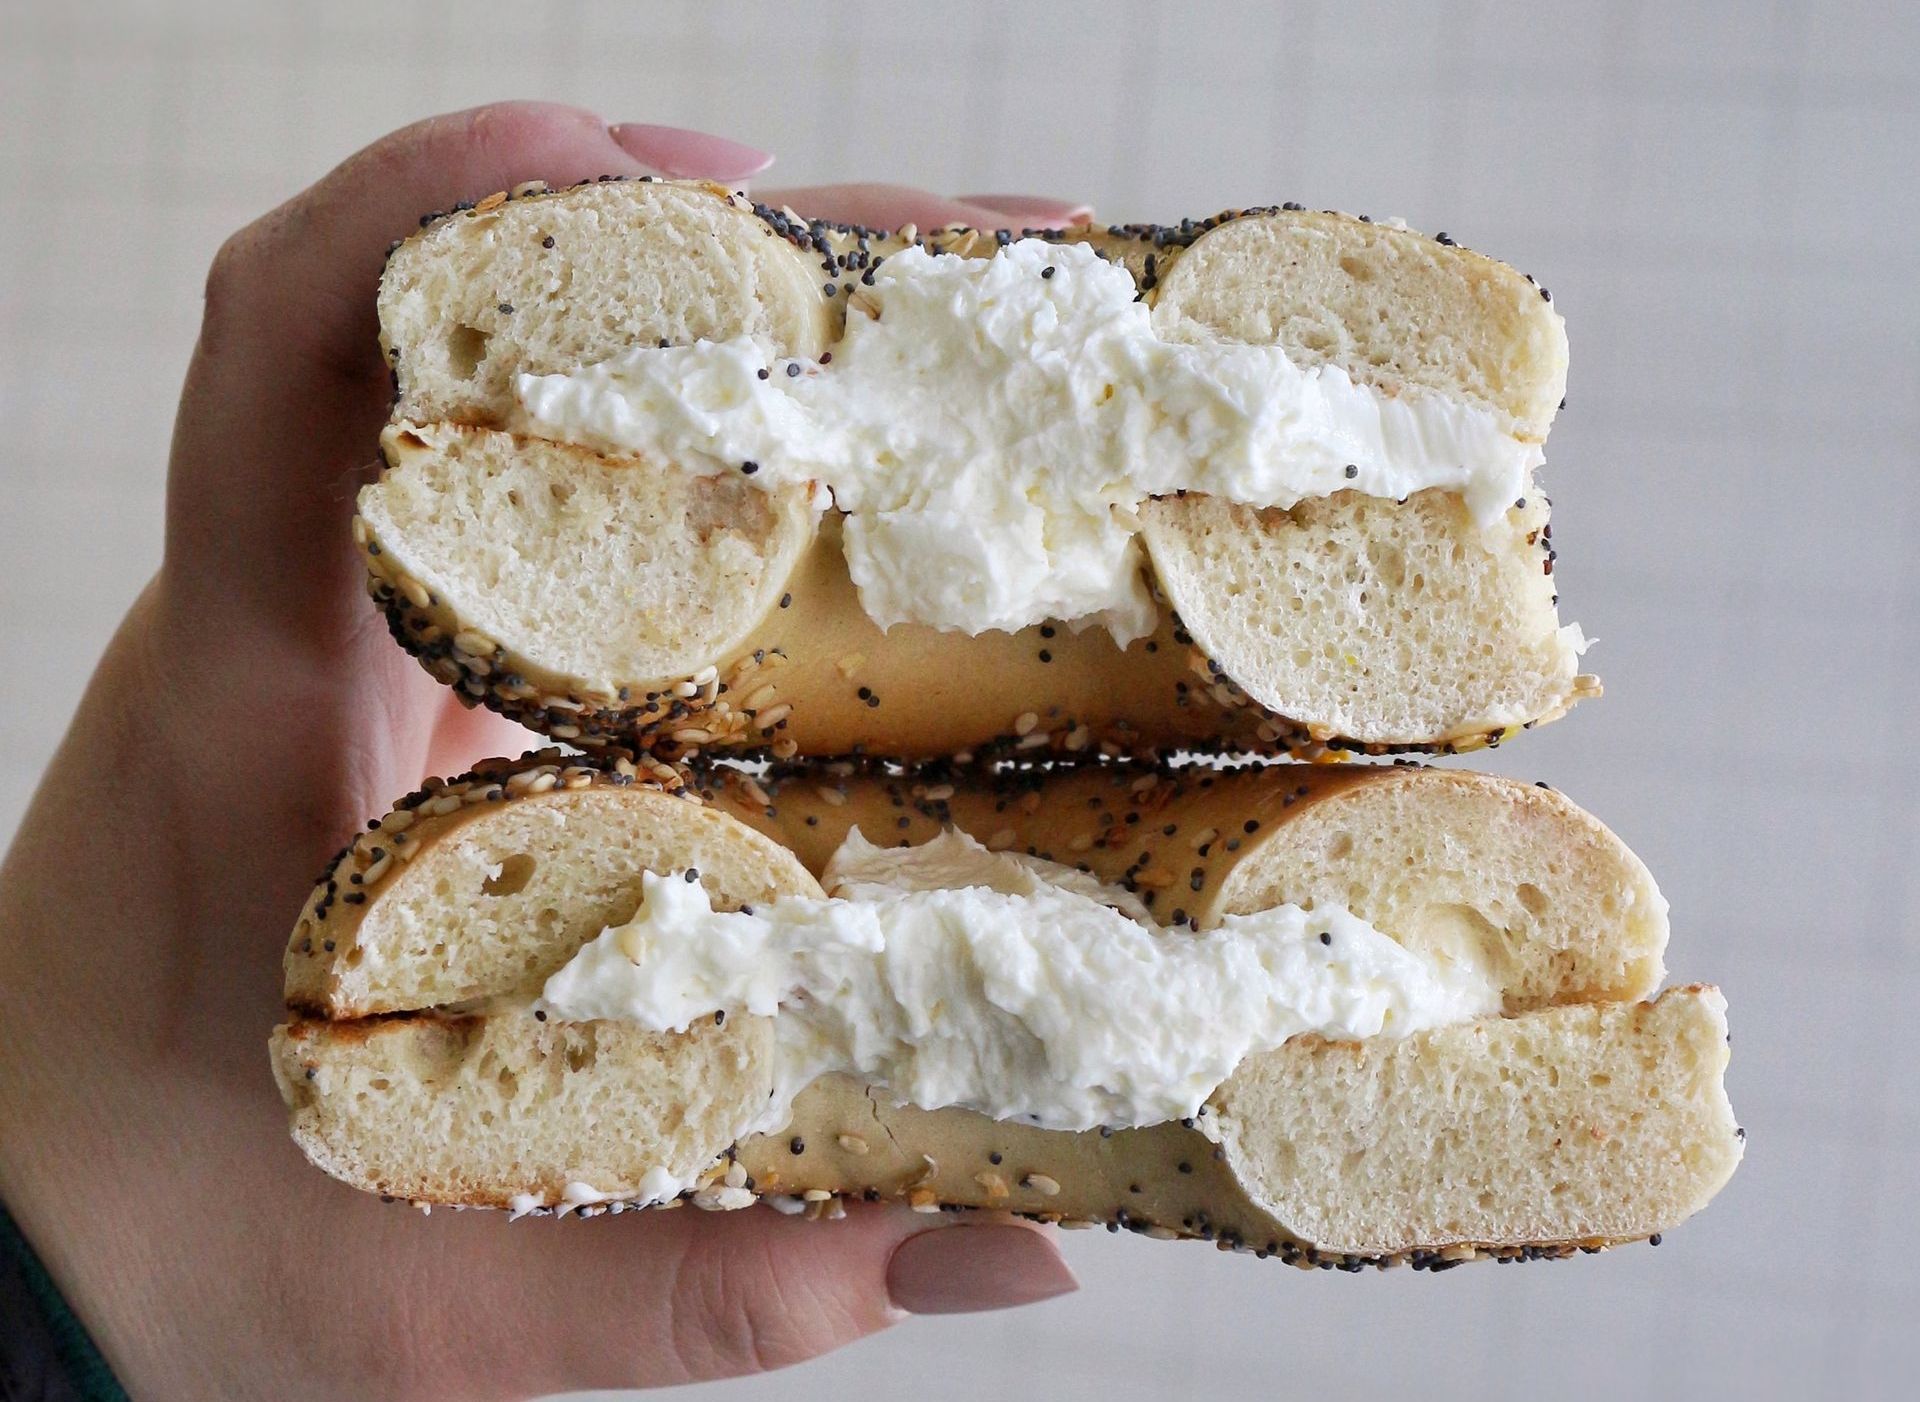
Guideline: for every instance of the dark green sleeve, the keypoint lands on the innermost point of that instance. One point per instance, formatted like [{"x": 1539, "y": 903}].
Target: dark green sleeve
[{"x": 46, "y": 1354}]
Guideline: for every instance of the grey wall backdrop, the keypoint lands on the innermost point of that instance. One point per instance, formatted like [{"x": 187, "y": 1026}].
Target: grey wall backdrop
[{"x": 1722, "y": 198}]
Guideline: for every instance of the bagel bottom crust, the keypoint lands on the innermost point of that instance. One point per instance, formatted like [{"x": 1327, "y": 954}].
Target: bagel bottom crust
[
  {"x": 1618, "y": 1109},
  {"x": 807, "y": 671}
]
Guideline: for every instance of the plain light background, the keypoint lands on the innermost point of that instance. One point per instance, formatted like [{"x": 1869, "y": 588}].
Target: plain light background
[{"x": 1722, "y": 198}]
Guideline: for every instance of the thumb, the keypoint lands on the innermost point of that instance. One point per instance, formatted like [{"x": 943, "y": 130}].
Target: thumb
[
  {"x": 721, "y": 1294},
  {"x": 812, "y": 1287},
  {"x": 971, "y": 1267}
]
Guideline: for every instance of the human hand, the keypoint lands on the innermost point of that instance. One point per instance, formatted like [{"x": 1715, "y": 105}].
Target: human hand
[{"x": 248, "y": 715}]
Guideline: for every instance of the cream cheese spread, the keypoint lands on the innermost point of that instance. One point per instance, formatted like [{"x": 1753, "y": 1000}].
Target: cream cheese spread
[
  {"x": 949, "y": 975},
  {"x": 991, "y": 425}
]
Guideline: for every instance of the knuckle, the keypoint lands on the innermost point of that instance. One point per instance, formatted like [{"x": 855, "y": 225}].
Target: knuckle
[
  {"x": 501, "y": 130},
  {"x": 228, "y": 270},
  {"x": 733, "y": 1316},
  {"x": 235, "y": 277}
]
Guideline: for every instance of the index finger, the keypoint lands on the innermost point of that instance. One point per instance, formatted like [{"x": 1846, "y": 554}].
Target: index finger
[{"x": 287, "y": 390}]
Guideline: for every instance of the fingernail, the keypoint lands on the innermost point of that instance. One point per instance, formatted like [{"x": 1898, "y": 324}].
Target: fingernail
[
  {"x": 689, "y": 154},
  {"x": 1035, "y": 210},
  {"x": 965, "y": 1269}
]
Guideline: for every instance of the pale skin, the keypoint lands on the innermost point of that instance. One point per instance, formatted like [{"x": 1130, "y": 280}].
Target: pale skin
[{"x": 248, "y": 716}]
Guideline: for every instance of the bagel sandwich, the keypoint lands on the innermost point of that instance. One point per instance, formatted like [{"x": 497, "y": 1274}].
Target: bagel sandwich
[
  {"x": 1337, "y": 1014},
  {"x": 669, "y": 470}
]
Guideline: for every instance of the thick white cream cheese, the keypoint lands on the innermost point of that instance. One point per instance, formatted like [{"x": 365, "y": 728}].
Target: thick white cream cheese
[
  {"x": 948, "y": 975},
  {"x": 989, "y": 425}
]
